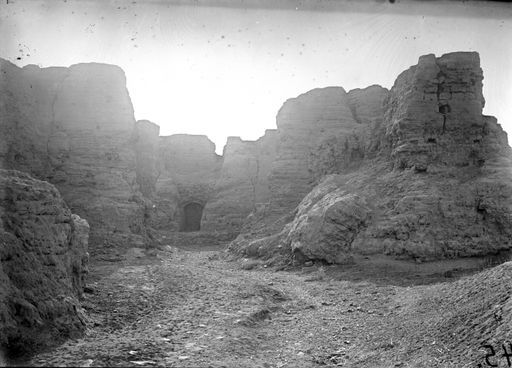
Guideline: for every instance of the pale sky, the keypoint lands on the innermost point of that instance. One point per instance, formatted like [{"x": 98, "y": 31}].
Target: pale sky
[{"x": 224, "y": 68}]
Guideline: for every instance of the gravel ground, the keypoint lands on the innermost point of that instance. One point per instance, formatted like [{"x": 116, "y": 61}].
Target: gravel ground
[{"x": 194, "y": 309}]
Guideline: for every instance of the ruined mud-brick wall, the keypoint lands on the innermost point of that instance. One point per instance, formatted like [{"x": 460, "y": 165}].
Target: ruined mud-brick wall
[
  {"x": 43, "y": 261},
  {"x": 303, "y": 124},
  {"x": 449, "y": 193},
  {"x": 435, "y": 115},
  {"x": 320, "y": 132},
  {"x": 243, "y": 183},
  {"x": 404, "y": 172},
  {"x": 74, "y": 127},
  {"x": 187, "y": 170},
  {"x": 146, "y": 139},
  {"x": 425, "y": 175}
]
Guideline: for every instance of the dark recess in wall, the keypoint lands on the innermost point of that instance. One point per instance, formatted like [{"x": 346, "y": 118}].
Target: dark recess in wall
[{"x": 192, "y": 213}]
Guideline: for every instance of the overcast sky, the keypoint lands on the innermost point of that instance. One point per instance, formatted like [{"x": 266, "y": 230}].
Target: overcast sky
[{"x": 224, "y": 68}]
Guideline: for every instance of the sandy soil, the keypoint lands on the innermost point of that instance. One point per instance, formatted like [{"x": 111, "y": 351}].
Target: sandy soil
[{"x": 182, "y": 308}]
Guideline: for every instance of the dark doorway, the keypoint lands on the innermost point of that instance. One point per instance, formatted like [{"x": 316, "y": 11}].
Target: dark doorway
[{"x": 192, "y": 213}]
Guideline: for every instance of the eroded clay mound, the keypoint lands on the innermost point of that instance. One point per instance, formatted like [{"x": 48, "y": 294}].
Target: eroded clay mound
[
  {"x": 430, "y": 178},
  {"x": 400, "y": 214},
  {"x": 43, "y": 261}
]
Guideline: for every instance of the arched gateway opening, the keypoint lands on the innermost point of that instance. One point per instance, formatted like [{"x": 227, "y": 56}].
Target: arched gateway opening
[{"x": 192, "y": 213}]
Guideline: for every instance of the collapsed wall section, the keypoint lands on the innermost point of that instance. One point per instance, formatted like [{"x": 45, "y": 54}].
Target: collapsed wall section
[
  {"x": 413, "y": 167},
  {"x": 146, "y": 139},
  {"x": 435, "y": 115},
  {"x": 430, "y": 178},
  {"x": 304, "y": 123},
  {"x": 243, "y": 183},
  {"x": 320, "y": 132},
  {"x": 74, "y": 127}
]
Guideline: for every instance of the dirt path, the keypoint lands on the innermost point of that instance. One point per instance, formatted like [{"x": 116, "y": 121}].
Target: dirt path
[{"x": 193, "y": 309}]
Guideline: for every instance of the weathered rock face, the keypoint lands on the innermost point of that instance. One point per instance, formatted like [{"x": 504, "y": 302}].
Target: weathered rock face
[
  {"x": 146, "y": 148},
  {"x": 417, "y": 171},
  {"x": 304, "y": 124},
  {"x": 367, "y": 104},
  {"x": 74, "y": 127},
  {"x": 242, "y": 185},
  {"x": 188, "y": 169},
  {"x": 435, "y": 114},
  {"x": 345, "y": 149},
  {"x": 427, "y": 176},
  {"x": 235, "y": 190},
  {"x": 326, "y": 225},
  {"x": 266, "y": 151},
  {"x": 43, "y": 261},
  {"x": 321, "y": 132}
]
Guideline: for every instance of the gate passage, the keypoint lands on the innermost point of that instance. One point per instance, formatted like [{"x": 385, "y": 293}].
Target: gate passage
[{"x": 192, "y": 213}]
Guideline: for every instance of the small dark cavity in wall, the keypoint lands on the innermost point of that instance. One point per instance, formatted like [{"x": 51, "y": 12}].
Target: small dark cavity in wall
[{"x": 444, "y": 109}]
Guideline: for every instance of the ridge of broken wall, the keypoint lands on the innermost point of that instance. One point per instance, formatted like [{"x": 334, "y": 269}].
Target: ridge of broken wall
[
  {"x": 417, "y": 172},
  {"x": 74, "y": 127},
  {"x": 243, "y": 184}
]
